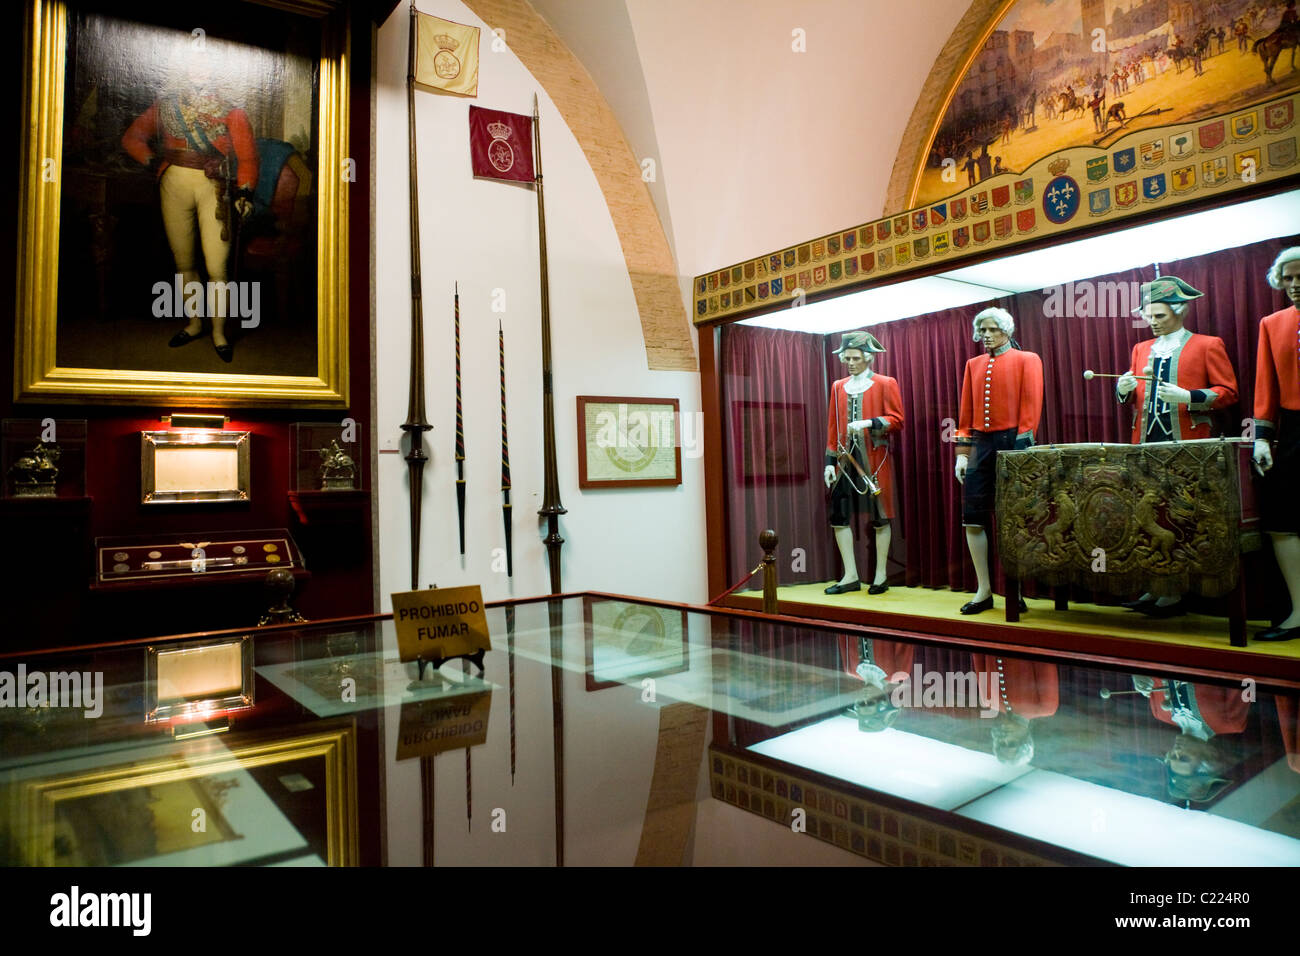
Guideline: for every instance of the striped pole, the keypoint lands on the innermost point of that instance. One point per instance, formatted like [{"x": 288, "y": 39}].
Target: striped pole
[
  {"x": 460, "y": 434},
  {"x": 505, "y": 456}
]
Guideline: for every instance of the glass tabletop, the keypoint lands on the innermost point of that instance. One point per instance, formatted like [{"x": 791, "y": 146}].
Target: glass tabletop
[{"x": 611, "y": 731}]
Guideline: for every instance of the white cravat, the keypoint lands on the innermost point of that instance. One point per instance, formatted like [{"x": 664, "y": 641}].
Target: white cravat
[
  {"x": 1166, "y": 345},
  {"x": 857, "y": 384}
]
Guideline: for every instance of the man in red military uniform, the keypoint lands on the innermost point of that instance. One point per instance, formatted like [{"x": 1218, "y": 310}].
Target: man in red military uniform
[
  {"x": 1277, "y": 434},
  {"x": 1001, "y": 403},
  {"x": 200, "y": 147},
  {"x": 864, "y": 409},
  {"x": 1192, "y": 375}
]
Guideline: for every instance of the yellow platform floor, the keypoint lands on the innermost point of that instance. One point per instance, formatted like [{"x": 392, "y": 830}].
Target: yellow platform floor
[{"x": 1194, "y": 630}]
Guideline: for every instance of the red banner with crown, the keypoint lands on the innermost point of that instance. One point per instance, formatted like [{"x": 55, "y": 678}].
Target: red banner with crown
[{"x": 501, "y": 145}]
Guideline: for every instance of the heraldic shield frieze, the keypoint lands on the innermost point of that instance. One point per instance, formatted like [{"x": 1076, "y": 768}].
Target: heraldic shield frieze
[{"x": 1149, "y": 169}]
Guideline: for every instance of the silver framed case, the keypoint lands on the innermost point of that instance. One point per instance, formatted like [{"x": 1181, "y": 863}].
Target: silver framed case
[
  {"x": 198, "y": 680},
  {"x": 194, "y": 467}
]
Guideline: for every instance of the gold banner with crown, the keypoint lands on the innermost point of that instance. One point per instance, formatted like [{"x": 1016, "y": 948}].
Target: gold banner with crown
[
  {"x": 1081, "y": 186},
  {"x": 446, "y": 56}
]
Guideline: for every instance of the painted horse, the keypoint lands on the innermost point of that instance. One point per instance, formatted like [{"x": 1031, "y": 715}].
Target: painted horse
[
  {"x": 1270, "y": 47},
  {"x": 1070, "y": 101}
]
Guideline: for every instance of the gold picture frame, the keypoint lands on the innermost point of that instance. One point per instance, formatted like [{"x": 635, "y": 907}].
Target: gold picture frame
[
  {"x": 38, "y": 375},
  {"x": 45, "y": 809}
]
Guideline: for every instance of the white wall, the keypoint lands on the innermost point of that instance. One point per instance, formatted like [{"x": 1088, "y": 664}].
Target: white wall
[
  {"x": 483, "y": 234},
  {"x": 762, "y": 146}
]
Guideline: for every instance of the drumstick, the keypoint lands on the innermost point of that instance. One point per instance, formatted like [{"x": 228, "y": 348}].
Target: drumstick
[{"x": 1089, "y": 375}]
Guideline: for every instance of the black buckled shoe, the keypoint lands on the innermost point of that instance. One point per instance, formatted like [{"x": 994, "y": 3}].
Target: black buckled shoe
[
  {"x": 183, "y": 338},
  {"x": 1153, "y": 609},
  {"x": 844, "y": 588},
  {"x": 878, "y": 589},
  {"x": 975, "y": 607},
  {"x": 226, "y": 352}
]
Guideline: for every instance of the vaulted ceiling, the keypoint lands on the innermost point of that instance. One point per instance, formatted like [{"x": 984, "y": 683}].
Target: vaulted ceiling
[{"x": 767, "y": 121}]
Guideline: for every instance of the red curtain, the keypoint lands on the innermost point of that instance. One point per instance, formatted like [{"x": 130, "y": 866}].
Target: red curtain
[
  {"x": 927, "y": 353},
  {"x": 774, "y": 400}
]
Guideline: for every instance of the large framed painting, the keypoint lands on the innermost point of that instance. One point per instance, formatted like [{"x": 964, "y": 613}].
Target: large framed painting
[
  {"x": 1044, "y": 76},
  {"x": 183, "y": 204}
]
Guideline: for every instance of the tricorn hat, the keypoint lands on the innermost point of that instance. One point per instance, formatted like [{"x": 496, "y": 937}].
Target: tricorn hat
[
  {"x": 1169, "y": 289},
  {"x": 863, "y": 341}
]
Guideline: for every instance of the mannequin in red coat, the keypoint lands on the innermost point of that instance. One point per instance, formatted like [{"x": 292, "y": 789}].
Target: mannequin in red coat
[
  {"x": 1022, "y": 691},
  {"x": 1192, "y": 376},
  {"x": 1010, "y": 382},
  {"x": 882, "y": 666},
  {"x": 1277, "y": 434},
  {"x": 1194, "y": 766},
  {"x": 865, "y": 409}
]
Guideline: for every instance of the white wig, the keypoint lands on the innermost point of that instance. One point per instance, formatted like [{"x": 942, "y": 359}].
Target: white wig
[
  {"x": 1283, "y": 257},
  {"x": 1005, "y": 322}
]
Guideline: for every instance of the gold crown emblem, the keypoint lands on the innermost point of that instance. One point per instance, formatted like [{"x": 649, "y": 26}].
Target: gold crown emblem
[
  {"x": 499, "y": 130},
  {"x": 446, "y": 42},
  {"x": 1057, "y": 167}
]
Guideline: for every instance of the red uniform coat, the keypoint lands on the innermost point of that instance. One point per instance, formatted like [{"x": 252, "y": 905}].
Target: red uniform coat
[
  {"x": 1001, "y": 392},
  {"x": 1277, "y": 371},
  {"x": 229, "y": 133},
  {"x": 1202, "y": 363},
  {"x": 1033, "y": 687},
  {"x": 1223, "y": 708},
  {"x": 881, "y": 400}
]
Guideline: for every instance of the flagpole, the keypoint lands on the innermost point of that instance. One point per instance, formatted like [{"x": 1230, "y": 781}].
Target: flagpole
[
  {"x": 551, "y": 508},
  {"x": 416, "y": 423},
  {"x": 460, "y": 433},
  {"x": 506, "y": 510}
]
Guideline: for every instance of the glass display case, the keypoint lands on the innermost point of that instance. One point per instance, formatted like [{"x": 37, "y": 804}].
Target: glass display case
[
  {"x": 1064, "y": 441},
  {"x": 612, "y": 731},
  {"x": 43, "y": 458}
]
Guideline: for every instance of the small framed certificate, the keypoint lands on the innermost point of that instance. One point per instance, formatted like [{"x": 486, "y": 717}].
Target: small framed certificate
[
  {"x": 194, "y": 466},
  {"x": 628, "y": 442}
]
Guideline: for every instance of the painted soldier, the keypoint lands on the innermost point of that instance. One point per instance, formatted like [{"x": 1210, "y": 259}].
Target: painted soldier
[
  {"x": 1001, "y": 403},
  {"x": 1277, "y": 434},
  {"x": 864, "y": 409},
  {"x": 1192, "y": 376},
  {"x": 201, "y": 148}
]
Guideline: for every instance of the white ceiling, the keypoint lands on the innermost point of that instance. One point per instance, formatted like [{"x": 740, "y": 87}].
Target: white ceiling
[{"x": 757, "y": 146}]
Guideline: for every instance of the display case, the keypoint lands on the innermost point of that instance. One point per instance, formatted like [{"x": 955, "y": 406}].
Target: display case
[
  {"x": 328, "y": 456},
  {"x": 328, "y": 493},
  {"x": 43, "y": 458},
  {"x": 1059, "y": 439},
  {"x": 594, "y": 715}
]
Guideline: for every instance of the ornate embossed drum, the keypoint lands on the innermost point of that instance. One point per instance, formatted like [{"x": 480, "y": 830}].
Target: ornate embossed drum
[{"x": 1168, "y": 518}]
